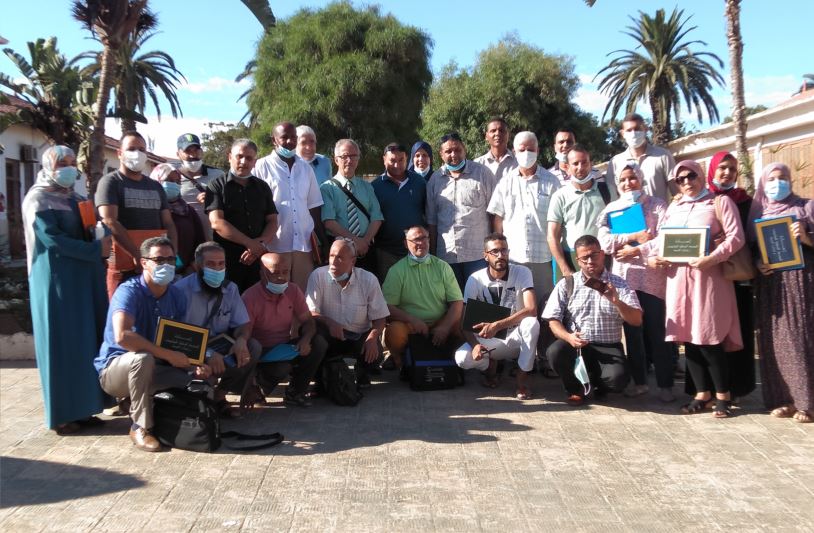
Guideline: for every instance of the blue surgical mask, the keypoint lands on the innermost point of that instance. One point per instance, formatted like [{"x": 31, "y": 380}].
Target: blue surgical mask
[
  {"x": 65, "y": 177},
  {"x": 456, "y": 168},
  {"x": 418, "y": 259},
  {"x": 422, "y": 173},
  {"x": 164, "y": 274},
  {"x": 723, "y": 187},
  {"x": 778, "y": 190},
  {"x": 172, "y": 190},
  {"x": 632, "y": 196},
  {"x": 700, "y": 195},
  {"x": 342, "y": 277},
  {"x": 581, "y": 373},
  {"x": 276, "y": 288},
  {"x": 284, "y": 152},
  {"x": 213, "y": 278}
]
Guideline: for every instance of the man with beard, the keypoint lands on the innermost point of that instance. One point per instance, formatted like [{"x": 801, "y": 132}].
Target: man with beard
[
  {"x": 508, "y": 286},
  {"x": 195, "y": 177}
]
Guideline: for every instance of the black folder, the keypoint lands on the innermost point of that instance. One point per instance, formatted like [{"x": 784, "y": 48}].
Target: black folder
[{"x": 478, "y": 311}]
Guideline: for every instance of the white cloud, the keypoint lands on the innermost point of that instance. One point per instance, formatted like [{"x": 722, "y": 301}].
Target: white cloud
[{"x": 214, "y": 84}]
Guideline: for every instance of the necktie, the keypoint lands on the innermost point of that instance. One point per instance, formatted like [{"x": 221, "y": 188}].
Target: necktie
[{"x": 353, "y": 213}]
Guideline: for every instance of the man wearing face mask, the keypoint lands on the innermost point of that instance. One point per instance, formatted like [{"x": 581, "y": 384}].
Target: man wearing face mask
[
  {"x": 402, "y": 195},
  {"x": 499, "y": 159},
  {"x": 298, "y": 200},
  {"x": 422, "y": 295},
  {"x": 574, "y": 208},
  {"x": 349, "y": 308},
  {"x": 243, "y": 215},
  {"x": 195, "y": 176},
  {"x": 214, "y": 303},
  {"x": 129, "y": 364},
  {"x": 274, "y": 305},
  {"x": 129, "y": 200},
  {"x": 564, "y": 140},
  {"x": 656, "y": 162}
]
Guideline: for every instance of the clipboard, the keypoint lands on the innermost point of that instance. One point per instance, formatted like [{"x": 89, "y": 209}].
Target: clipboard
[{"x": 477, "y": 311}]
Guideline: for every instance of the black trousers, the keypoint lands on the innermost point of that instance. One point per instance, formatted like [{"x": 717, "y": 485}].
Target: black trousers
[
  {"x": 709, "y": 367},
  {"x": 348, "y": 347},
  {"x": 244, "y": 276},
  {"x": 606, "y": 364},
  {"x": 301, "y": 368}
]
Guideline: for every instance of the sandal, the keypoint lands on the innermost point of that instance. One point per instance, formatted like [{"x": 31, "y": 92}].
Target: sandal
[
  {"x": 695, "y": 406},
  {"x": 803, "y": 417},
  {"x": 523, "y": 393},
  {"x": 490, "y": 381},
  {"x": 722, "y": 409},
  {"x": 786, "y": 411}
]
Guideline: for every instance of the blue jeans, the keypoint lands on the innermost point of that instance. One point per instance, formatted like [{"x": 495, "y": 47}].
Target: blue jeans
[
  {"x": 647, "y": 342},
  {"x": 464, "y": 270}
]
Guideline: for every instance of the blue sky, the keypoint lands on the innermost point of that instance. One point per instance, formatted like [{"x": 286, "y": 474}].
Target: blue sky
[{"x": 211, "y": 41}]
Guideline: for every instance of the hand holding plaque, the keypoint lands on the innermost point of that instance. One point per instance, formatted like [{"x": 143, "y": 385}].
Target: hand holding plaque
[
  {"x": 780, "y": 248},
  {"x": 184, "y": 338},
  {"x": 680, "y": 245}
]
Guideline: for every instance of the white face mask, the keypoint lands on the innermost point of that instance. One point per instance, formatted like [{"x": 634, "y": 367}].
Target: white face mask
[
  {"x": 192, "y": 166},
  {"x": 526, "y": 159},
  {"x": 134, "y": 160},
  {"x": 561, "y": 157},
  {"x": 584, "y": 180},
  {"x": 635, "y": 139}
]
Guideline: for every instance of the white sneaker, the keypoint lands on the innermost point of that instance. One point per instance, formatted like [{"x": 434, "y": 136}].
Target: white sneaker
[
  {"x": 633, "y": 390},
  {"x": 666, "y": 395}
]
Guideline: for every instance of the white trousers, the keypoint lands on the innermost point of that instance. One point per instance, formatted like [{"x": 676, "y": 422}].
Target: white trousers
[{"x": 520, "y": 344}]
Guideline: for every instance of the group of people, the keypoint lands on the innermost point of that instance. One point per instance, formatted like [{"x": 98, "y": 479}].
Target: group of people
[{"x": 281, "y": 252}]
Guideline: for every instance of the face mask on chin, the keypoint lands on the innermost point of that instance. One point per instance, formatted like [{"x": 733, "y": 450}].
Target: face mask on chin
[
  {"x": 584, "y": 180},
  {"x": 561, "y": 157},
  {"x": 456, "y": 168}
]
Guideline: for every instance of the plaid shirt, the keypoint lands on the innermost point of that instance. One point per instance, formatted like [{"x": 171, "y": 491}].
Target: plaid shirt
[{"x": 588, "y": 311}]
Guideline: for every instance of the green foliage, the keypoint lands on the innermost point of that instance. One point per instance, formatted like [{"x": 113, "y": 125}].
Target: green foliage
[
  {"x": 530, "y": 89},
  {"x": 661, "y": 71},
  {"x": 748, "y": 110},
  {"x": 216, "y": 145},
  {"x": 346, "y": 73}
]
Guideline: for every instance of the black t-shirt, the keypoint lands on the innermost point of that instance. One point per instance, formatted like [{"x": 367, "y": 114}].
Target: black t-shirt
[
  {"x": 244, "y": 206},
  {"x": 139, "y": 201}
]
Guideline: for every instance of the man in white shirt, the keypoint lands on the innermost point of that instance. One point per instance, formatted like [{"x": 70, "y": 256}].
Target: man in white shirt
[
  {"x": 298, "y": 200},
  {"x": 499, "y": 159},
  {"x": 509, "y": 286}
]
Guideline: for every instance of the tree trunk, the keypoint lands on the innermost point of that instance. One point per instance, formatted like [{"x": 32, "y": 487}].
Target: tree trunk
[
  {"x": 733, "y": 37},
  {"x": 97, "y": 138},
  {"x": 660, "y": 134},
  {"x": 128, "y": 124}
]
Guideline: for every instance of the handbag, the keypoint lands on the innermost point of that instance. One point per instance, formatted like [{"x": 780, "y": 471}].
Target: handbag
[{"x": 739, "y": 266}]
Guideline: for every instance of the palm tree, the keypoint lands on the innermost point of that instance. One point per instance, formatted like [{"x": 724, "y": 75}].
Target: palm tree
[
  {"x": 664, "y": 71},
  {"x": 111, "y": 22},
  {"x": 733, "y": 38},
  {"x": 50, "y": 87},
  {"x": 139, "y": 77}
]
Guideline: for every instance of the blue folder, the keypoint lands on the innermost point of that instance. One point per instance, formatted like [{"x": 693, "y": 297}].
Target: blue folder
[
  {"x": 627, "y": 220},
  {"x": 281, "y": 352}
]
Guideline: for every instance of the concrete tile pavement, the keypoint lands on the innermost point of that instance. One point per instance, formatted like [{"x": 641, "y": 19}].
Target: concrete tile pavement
[{"x": 469, "y": 459}]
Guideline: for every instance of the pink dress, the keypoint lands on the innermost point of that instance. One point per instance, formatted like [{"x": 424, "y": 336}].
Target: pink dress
[{"x": 701, "y": 305}]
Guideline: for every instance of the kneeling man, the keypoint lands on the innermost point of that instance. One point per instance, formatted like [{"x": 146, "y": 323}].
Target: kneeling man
[{"x": 508, "y": 286}]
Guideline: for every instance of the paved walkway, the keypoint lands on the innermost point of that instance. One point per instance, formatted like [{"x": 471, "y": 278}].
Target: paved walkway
[{"x": 471, "y": 459}]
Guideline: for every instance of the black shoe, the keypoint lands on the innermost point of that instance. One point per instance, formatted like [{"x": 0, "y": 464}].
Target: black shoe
[
  {"x": 297, "y": 400},
  {"x": 363, "y": 381}
]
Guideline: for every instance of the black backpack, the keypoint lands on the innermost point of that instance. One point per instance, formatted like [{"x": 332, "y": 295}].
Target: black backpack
[
  {"x": 187, "y": 419},
  {"x": 339, "y": 383}
]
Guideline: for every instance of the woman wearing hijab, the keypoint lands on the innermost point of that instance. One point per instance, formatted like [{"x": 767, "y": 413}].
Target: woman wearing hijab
[
  {"x": 421, "y": 160},
  {"x": 649, "y": 284},
  {"x": 701, "y": 310},
  {"x": 785, "y": 299},
  {"x": 722, "y": 179},
  {"x": 66, "y": 277},
  {"x": 187, "y": 222}
]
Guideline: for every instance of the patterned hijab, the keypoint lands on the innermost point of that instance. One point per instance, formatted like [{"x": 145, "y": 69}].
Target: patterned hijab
[{"x": 737, "y": 194}]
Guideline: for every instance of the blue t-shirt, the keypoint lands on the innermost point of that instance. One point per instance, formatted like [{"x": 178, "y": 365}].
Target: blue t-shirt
[
  {"x": 402, "y": 208},
  {"x": 134, "y": 298}
]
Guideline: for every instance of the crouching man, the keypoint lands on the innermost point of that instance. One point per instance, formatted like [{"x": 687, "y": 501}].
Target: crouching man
[
  {"x": 130, "y": 365},
  {"x": 510, "y": 286}
]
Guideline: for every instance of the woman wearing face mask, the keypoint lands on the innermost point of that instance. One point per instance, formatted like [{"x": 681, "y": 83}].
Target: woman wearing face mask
[
  {"x": 701, "y": 310},
  {"x": 187, "y": 222},
  {"x": 421, "y": 160},
  {"x": 722, "y": 179},
  {"x": 649, "y": 284},
  {"x": 66, "y": 277},
  {"x": 785, "y": 299}
]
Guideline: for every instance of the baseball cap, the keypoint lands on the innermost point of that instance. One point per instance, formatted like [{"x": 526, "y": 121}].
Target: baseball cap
[{"x": 186, "y": 140}]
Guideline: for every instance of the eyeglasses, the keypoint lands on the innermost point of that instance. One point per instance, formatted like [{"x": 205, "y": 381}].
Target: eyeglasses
[
  {"x": 592, "y": 258},
  {"x": 497, "y": 252},
  {"x": 418, "y": 239},
  {"x": 170, "y": 259},
  {"x": 349, "y": 157},
  {"x": 686, "y": 177}
]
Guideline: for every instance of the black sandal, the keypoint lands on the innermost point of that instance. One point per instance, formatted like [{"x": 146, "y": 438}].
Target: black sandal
[
  {"x": 722, "y": 409},
  {"x": 694, "y": 407}
]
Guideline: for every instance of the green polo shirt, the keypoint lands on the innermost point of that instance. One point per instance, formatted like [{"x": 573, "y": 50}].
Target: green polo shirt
[
  {"x": 576, "y": 212},
  {"x": 421, "y": 289}
]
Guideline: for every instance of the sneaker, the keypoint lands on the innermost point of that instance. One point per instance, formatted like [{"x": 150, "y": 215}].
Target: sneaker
[
  {"x": 296, "y": 400},
  {"x": 633, "y": 390},
  {"x": 666, "y": 395}
]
